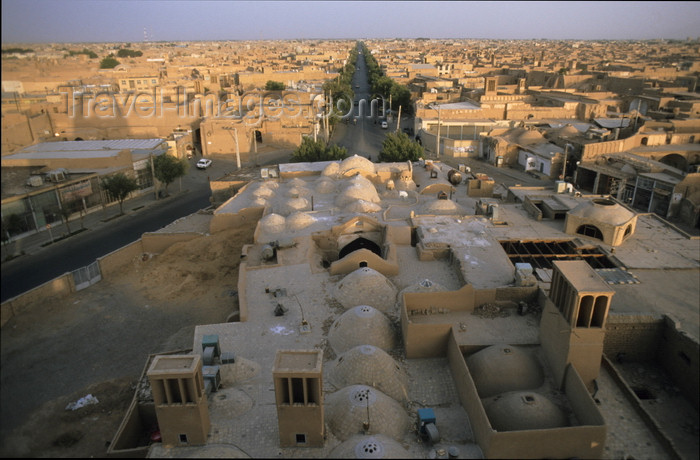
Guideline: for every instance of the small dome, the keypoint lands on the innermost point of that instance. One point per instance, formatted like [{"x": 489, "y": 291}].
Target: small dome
[
  {"x": 348, "y": 409},
  {"x": 299, "y": 220},
  {"x": 371, "y": 366},
  {"x": 355, "y": 164},
  {"x": 366, "y": 286},
  {"x": 325, "y": 185},
  {"x": 293, "y": 205},
  {"x": 273, "y": 223},
  {"x": 263, "y": 192},
  {"x": 375, "y": 446},
  {"x": 568, "y": 131},
  {"x": 297, "y": 191},
  {"x": 501, "y": 368},
  {"x": 331, "y": 170},
  {"x": 362, "y": 206},
  {"x": 524, "y": 410},
  {"x": 442, "y": 207},
  {"x": 423, "y": 286},
  {"x": 359, "y": 326},
  {"x": 604, "y": 211},
  {"x": 358, "y": 188},
  {"x": 260, "y": 201}
]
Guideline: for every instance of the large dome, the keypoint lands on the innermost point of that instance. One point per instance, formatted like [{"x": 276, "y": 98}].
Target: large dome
[
  {"x": 375, "y": 446},
  {"x": 366, "y": 286},
  {"x": 359, "y": 326},
  {"x": 347, "y": 411},
  {"x": 357, "y": 188},
  {"x": 371, "y": 366},
  {"x": 604, "y": 211},
  {"x": 362, "y": 206},
  {"x": 502, "y": 368},
  {"x": 331, "y": 170},
  {"x": 524, "y": 410},
  {"x": 356, "y": 164}
]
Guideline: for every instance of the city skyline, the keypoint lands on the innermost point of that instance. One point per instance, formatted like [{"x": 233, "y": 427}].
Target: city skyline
[{"x": 75, "y": 21}]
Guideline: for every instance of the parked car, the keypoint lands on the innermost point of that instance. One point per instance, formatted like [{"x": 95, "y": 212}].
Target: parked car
[
  {"x": 385, "y": 125},
  {"x": 204, "y": 163}
]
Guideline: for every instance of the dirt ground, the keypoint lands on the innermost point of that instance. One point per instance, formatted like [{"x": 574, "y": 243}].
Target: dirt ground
[{"x": 97, "y": 342}]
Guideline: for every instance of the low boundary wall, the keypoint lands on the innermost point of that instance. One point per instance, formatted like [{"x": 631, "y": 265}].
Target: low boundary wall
[{"x": 59, "y": 287}]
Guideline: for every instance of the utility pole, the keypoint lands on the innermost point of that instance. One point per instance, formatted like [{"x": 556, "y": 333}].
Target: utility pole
[
  {"x": 437, "y": 138},
  {"x": 563, "y": 171},
  {"x": 398, "y": 121},
  {"x": 238, "y": 151}
]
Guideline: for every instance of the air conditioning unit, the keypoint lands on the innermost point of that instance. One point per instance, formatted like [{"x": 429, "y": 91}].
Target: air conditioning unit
[{"x": 264, "y": 173}]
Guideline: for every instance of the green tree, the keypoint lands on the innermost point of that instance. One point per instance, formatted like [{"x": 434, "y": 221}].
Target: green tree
[
  {"x": 109, "y": 62},
  {"x": 124, "y": 52},
  {"x": 311, "y": 150},
  {"x": 119, "y": 186},
  {"x": 167, "y": 168},
  {"x": 274, "y": 86},
  {"x": 400, "y": 147}
]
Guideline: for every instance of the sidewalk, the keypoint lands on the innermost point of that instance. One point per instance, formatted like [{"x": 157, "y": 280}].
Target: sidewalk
[{"x": 34, "y": 242}]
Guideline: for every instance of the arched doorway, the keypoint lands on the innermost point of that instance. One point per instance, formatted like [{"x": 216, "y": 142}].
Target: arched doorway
[
  {"x": 675, "y": 160},
  {"x": 359, "y": 243}
]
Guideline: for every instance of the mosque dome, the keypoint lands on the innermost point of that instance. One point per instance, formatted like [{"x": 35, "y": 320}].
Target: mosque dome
[
  {"x": 366, "y": 286},
  {"x": 502, "y": 368},
  {"x": 359, "y": 326},
  {"x": 524, "y": 410},
  {"x": 371, "y": 366},
  {"x": 348, "y": 409}
]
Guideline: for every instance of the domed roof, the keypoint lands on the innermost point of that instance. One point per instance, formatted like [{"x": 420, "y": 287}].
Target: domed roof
[
  {"x": 375, "y": 446},
  {"x": 366, "y": 286},
  {"x": 347, "y": 409},
  {"x": 296, "y": 182},
  {"x": 501, "y": 368},
  {"x": 359, "y": 326},
  {"x": 442, "y": 207},
  {"x": 260, "y": 201},
  {"x": 372, "y": 366},
  {"x": 299, "y": 220},
  {"x": 356, "y": 163},
  {"x": 273, "y": 223},
  {"x": 524, "y": 410},
  {"x": 422, "y": 286},
  {"x": 263, "y": 192},
  {"x": 325, "y": 185},
  {"x": 293, "y": 205},
  {"x": 362, "y": 206},
  {"x": 604, "y": 211},
  {"x": 357, "y": 188},
  {"x": 297, "y": 191},
  {"x": 331, "y": 170}
]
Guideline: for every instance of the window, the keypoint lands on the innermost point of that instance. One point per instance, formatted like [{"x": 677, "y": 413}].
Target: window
[
  {"x": 153, "y": 81},
  {"x": 183, "y": 438},
  {"x": 301, "y": 438}
]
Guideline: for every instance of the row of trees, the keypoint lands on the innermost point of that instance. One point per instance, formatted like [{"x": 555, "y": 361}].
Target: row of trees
[
  {"x": 340, "y": 88},
  {"x": 386, "y": 87},
  {"x": 397, "y": 147}
]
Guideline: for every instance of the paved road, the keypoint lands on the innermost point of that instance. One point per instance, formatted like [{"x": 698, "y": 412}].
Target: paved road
[{"x": 30, "y": 271}]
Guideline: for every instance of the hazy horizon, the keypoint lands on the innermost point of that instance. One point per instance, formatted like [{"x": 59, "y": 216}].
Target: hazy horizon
[{"x": 80, "y": 21}]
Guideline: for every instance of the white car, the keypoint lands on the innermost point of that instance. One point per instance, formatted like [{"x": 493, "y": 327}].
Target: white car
[
  {"x": 204, "y": 163},
  {"x": 385, "y": 125}
]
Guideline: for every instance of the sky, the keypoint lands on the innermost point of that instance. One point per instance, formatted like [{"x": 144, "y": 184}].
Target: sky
[{"x": 71, "y": 21}]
